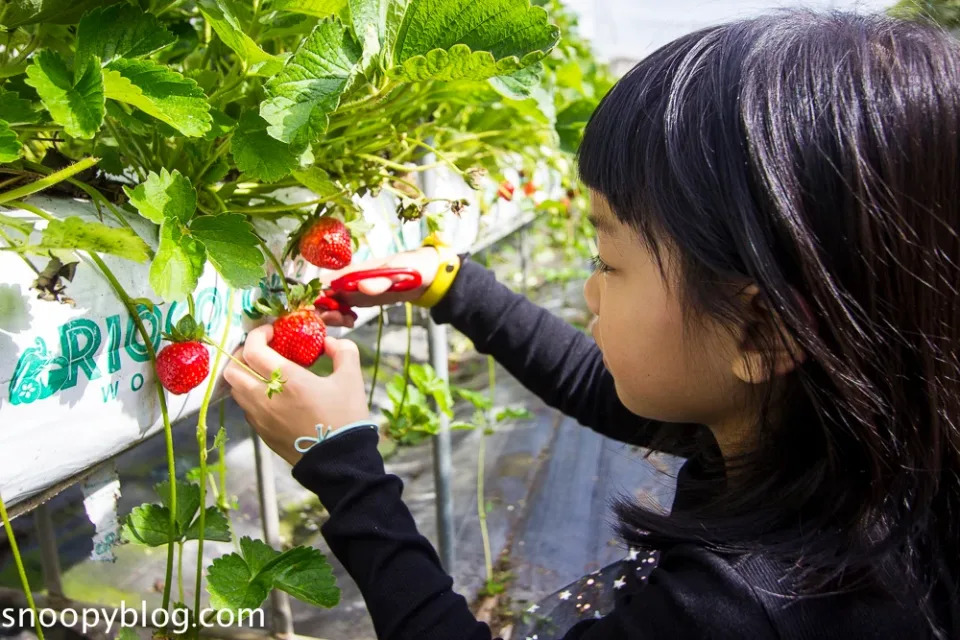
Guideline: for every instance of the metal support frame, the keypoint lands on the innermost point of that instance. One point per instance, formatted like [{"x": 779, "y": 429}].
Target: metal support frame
[{"x": 280, "y": 612}]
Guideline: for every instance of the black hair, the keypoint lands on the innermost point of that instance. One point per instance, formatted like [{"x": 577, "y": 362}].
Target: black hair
[{"x": 816, "y": 155}]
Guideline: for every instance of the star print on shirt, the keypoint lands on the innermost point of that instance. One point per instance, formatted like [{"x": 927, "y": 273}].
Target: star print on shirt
[
  {"x": 533, "y": 608},
  {"x": 565, "y": 595},
  {"x": 632, "y": 556},
  {"x": 619, "y": 583}
]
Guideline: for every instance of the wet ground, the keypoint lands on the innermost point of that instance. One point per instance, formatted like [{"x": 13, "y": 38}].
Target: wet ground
[{"x": 549, "y": 482}]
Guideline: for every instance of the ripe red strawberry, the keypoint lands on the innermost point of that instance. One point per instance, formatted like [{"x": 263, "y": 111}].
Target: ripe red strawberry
[
  {"x": 530, "y": 188},
  {"x": 327, "y": 244},
  {"x": 181, "y": 366},
  {"x": 299, "y": 336},
  {"x": 506, "y": 190}
]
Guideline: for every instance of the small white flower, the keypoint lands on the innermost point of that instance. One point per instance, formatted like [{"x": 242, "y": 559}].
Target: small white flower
[
  {"x": 565, "y": 595},
  {"x": 619, "y": 583},
  {"x": 533, "y": 608}
]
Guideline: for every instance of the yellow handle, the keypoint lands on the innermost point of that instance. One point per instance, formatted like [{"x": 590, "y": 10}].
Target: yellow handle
[{"x": 446, "y": 273}]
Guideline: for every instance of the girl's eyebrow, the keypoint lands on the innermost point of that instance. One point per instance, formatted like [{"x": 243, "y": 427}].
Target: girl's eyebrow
[{"x": 600, "y": 223}]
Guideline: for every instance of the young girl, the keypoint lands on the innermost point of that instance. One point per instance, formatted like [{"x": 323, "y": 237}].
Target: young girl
[{"x": 776, "y": 206}]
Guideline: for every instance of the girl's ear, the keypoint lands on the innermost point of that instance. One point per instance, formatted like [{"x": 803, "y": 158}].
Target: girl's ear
[{"x": 767, "y": 349}]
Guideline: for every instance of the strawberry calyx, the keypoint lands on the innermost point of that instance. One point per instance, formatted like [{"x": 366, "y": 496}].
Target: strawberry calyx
[{"x": 187, "y": 329}]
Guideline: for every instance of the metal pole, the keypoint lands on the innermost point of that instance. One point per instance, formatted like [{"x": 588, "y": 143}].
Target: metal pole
[
  {"x": 442, "y": 450},
  {"x": 270, "y": 516},
  {"x": 49, "y": 556}
]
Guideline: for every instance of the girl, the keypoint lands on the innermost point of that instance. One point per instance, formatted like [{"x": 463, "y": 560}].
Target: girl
[{"x": 776, "y": 210}]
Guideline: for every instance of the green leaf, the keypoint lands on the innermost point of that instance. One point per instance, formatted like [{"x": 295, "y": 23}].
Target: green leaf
[
  {"x": 232, "y": 248},
  {"x": 309, "y": 87},
  {"x": 76, "y": 233},
  {"x": 15, "y": 110},
  {"x": 478, "y": 400},
  {"x": 258, "y": 154},
  {"x": 167, "y": 195},
  {"x": 316, "y": 8},
  {"x": 513, "y": 413},
  {"x": 161, "y": 92},
  {"x": 22, "y": 12},
  {"x": 23, "y": 226},
  {"x": 120, "y": 31},
  {"x": 308, "y": 577},
  {"x": 478, "y": 39},
  {"x": 370, "y": 14},
  {"x": 148, "y": 524},
  {"x": 521, "y": 83},
  {"x": 318, "y": 181},
  {"x": 572, "y": 121},
  {"x": 77, "y": 104},
  {"x": 188, "y": 502},
  {"x": 10, "y": 146},
  {"x": 178, "y": 264},
  {"x": 239, "y": 581},
  {"x": 230, "y": 31},
  {"x": 216, "y": 527}
]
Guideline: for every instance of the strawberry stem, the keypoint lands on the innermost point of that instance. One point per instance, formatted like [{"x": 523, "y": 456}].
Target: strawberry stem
[
  {"x": 256, "y": 375},
  {"x": 202, "y": 447},
  {"x": 406, "y": 358},
  {"x": 167, "y": 427},
  {"x": 20, "y": 568},
  {"x": 277, "y": 266},
  {"x": 376, "y": 360}
]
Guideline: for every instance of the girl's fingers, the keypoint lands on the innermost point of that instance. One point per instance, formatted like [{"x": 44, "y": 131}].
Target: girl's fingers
[
  {"x": 344, "y": 353},
  {"x": 374, "y": 286},
  {"x": 260, "y": 357}
]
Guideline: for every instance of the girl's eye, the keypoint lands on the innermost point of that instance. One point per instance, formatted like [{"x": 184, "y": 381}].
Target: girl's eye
[{"x": 600, "y": 265}]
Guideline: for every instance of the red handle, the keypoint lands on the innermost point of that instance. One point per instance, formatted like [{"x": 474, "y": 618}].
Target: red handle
[{"x": 403, "y": 279}]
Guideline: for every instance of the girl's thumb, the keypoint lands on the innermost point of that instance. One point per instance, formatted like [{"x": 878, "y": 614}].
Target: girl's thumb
[
  {"x": 344, "y": 353},
  {"x": 374, "y": 286}
]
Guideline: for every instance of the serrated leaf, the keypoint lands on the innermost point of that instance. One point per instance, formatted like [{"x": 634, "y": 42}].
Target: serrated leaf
[
  {"x": 178, "y": 265},
  {"x": 76, "y": 233},
  {"x": 188, "y": 502},
  {"x": 258, "y": 154},
  {"x": 16, "y": 110},
  {"x": 232, "y": 248},
  {"x": 478, "y": 400},
  {"x": 76, "y": 103},
  {"x": 231, "y": 33},
  {"x": 216, "y": 527},
  {"x": 309, "y": 578},
  {"x": 167, "y": 195},
  {"x": 120, "y": 31},
  {"x": 519, "y": 84},
  {"x": 316, "y": 8},
  {"x": 370, "y": 16},
  {"x": 149, "y": 525},
  {"x": 22, "y": 12},
  {"x": 478, "y": 39},
  {"x": 309, "y": 87},
  {"x": 244, "y": 580},
  {"x": 161, "y": 92},
  {"x": 10, "y": 146}
]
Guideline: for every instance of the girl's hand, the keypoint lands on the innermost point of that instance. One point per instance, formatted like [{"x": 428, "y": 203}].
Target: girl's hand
[
  {"x": 373, "y": 292},
  {"x": 306, "y": 400}
]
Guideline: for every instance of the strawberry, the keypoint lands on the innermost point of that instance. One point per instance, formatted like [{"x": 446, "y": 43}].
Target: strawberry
[
  {"x": 185, "y": 363},
  {"x": 506, "y": 190},
  {"x": 299, "y": 336},
  {"x": 326, "y": 243},
  {"x": 298, "y": 332},
  {"x": 530, "y": 188}
]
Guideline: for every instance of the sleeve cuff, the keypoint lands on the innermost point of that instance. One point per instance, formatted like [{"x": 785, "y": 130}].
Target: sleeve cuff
[{"x": 329, "y": 469}]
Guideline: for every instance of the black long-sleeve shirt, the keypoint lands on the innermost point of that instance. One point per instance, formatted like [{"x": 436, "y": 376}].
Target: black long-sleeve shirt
[{"x": 692, "y": 593}]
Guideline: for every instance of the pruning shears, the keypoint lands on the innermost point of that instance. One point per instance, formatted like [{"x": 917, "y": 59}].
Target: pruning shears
[{"x": 402, "y": 280}]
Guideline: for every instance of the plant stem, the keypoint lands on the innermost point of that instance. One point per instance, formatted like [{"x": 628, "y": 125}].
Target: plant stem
[
  {"x": 24, "y": 582},
  {"x": 376, "y": 360},
  {"x": 202, "y": 447},
  {"x": 481, "y": 508},
  {"x": 13, "y": 244},
  {"x": 49, "y": 181},
  {"x": 286, "y": 207},
  {"x": 180, "y": 568},
  {"x": 221, "y": 452},
  {"x": 167, "y": 427},
  {"x": 406, "y": 358}
]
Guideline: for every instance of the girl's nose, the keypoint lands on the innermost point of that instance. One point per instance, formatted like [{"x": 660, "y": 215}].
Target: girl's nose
[{"x": 591, "y": 294}]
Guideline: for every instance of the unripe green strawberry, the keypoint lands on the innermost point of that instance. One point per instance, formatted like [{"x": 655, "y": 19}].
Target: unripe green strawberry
[
  {"x": 327, "y": 244},
  {"x": 299, "y": 336},
  {"x": 181, "y": 366}
]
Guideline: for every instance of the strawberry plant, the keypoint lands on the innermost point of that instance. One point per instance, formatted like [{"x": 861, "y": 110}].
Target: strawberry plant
[{"x": 199, "y": 116}]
